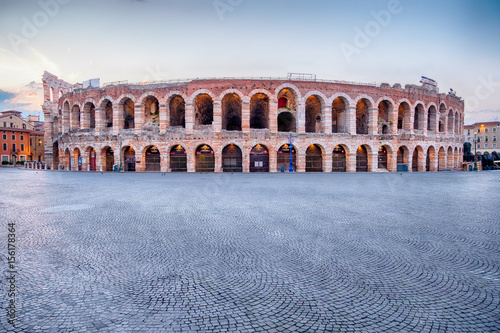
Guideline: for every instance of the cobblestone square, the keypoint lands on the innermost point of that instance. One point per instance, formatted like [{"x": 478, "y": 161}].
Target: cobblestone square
[{"x": 278, "y": 252}]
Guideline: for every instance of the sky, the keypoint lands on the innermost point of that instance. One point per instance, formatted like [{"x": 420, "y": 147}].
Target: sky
[{"x": 455, "y": 42}]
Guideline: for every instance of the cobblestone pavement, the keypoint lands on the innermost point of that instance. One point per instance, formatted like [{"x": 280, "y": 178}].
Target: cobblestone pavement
[{"x": 412, "y": 252}]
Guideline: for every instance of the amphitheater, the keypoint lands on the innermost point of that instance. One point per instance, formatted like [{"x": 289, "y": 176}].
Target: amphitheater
[{"x": 297, "y": 123}]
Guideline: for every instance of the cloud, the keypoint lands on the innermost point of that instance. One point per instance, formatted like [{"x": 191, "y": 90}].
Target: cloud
[{"x": 5, "y": 95}]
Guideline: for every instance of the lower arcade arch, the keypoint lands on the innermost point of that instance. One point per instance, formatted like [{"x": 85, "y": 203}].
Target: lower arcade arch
[
  {"x": 109, "y": 158},
  {"x": 76, "y": 160},
  {"x": 430, "y": 158},
  {"x": 450, "y": 158},
  {"x": 178, "y": 159},
  {"x": 283, "y": 158},
  {"x": 382, "y": 158},
  {"x": 339, "y": 159},
  {"x": 152, "y": 159},
  {"x": 232, "y": 159},
  {"x": 362, "y": 159},
  {"x": 92, "y": 159},
  {"x": 441, "y": 159},
  {"x": 128, "y": 159},
  {"x": 205, "y": 159},
  {"x": 67, "y": 159},
  {"x": 259, "y": 159},
  {"x": 314, "y": 159}
]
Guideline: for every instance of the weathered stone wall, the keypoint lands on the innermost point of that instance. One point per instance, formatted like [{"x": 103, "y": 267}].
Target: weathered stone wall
[{"x": 79, "y": 122}]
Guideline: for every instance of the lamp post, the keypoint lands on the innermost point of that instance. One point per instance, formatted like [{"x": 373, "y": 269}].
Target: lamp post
[
  {"x": 290, "y": 169},
  {"x": 475, "y": 160}
]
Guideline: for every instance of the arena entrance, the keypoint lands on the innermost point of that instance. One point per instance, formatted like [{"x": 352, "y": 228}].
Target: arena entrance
[
  {"x": 110, "y": 159},
  {"x": 92, "y": 159},
  {"x": 339, "y": 160},
  {"x": 361, "y": 159},
  {"x": 314, "y": 159},
  {"x": 153, "y": 159},
  {"x": 205, "y": 159},
  {"x": 178, "y": 159},
  {"x": 129, "y": 159},
  {"x": 382, "y": 158},
  {"x": 232, "y": 159},
  {"x": 284, "y": 158},
  {"x": 259, "y": 159}
]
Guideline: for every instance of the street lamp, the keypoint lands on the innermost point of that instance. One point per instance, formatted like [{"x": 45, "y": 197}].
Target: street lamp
[
  {"x": 475, "y": 160},
  {"x": 290, "y": 169},
  {"x": 120, "y": 169}
]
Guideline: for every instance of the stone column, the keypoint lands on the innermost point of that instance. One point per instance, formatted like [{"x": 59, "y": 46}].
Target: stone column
[
  {"x": 301, "y": 118},
  {"x": 118, "y": 120},
  {"x": 373, "y": 121},
  {"x": 84, "y": 118},
  {"x": 351, "y": 161},
  {"x": 138, "y": 118},
  {"x": 327, "y": 161},
  {"x": 372, "y": 161},
  {"x": 65, "y": 121},
  {"x": 245, "y": 156},
  {"x": 392, "y": 161},
  {"x": 273, "y": 161},
  {"x": 100, "y": 118},
  {"x": 165, "y": 162},
  {"x": 423, "y": 123},
  {"x": 245, "y": 115},
  {"x": 273, "y": 116},
  {"x": 326, "y": 119},
  {"x": 217, "y": 122},
  {"x": 164, "y": 117},
  {"x": 189, "y": 114},
  {"x": 350, "y": 119},
  {"x": 190, "y": 159},
  {"x": 410, "y": 161},
  {"x": 301, "y": 161}
]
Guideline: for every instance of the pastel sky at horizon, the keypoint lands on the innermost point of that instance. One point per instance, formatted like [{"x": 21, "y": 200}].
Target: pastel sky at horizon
[{"x": 454, "y": 42}]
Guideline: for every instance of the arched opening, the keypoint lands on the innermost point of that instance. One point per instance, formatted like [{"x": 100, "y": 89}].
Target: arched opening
[
  {"x": 384, "y": 123},
  {"x": 205, "y": 159},
  {"x": 362, "y": 117},
  {"x": 109, "y": 159},
  {"x": 128, "y": 115},
  {"x": 231, "y": 112},
  {"x": 401, "y": 157},
  {"x": 89, "y": 110},
  {"x": 92, "y": 159},
  {"x": 441, "y": 159},
  {"x": 419, "y": 118},
  {"x": 450, "y": 158},
  {"x": 403, "y": 116},
  {"x": 361, "y": 159},
  {"x": 67, "y": 159},
  {"x": 283, "y": 158},
  {"x": 288, "y": 97},
  {"x": 77, "y": 160},
  {"x": 75, "y": 117},
  {"x": 51, "y": 91},
  {"x": 382, "y": 158},
  {"x": 430, "y": 159},
  {"x": 259, "y": 111},
  {"x": 151, "y": 109},
  {"x": 339, "y": 116},
  {"x": 314, "y": 159},
  {"x": 414, "y": 160},
  {"x": 153, "y": 159},
  {"x": 259, "y": 159},
  {"x": 457, "y": 124},
  {"x": 107, "y": 107},
  {"x": 177, "y": 108},
  {"x": 286, "y": 122},
  {"x": 178, "y": 159},
  {"x": 339, "y": 159},
  {"x": 55, "y": 155},
  {"x": 451, "y": 122},
  {"x": 232, "y": 159},
  {"x": 66, "y": 116},
  {"x": 129, "y": 159},
  {"x": 204, "y": 110},
  {"x": 442, "y": 118},
  {"x": 431, "y": 119},
  {"x": 55, "y": 125},
  {"x": 313, "y": 115}
]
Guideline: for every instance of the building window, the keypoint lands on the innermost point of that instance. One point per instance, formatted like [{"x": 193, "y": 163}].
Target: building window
[
  {"x": 478, "y": 139},
  {"x": 486, "y": 130},
  {"x": 479, "y": 130},
  {"x": 13, "y": 147},
  {"x": 468, "y": 132},
  {"x": 24, "y": 127},
  {"x": 485, "y": 139},
  {"x": 485, "y": 145},
  {"x": 22, "y": 146},
  {"x": 478, "y": 146},
  {"x": 5, "y": 158},
  {"x": 22, "y": 137},
  {"x": 31, "y": 142},
  {"x": 4, "y": 124},
  {"x": 494, "y": 145},
  {"x": 13, "y": 136},
  {"x": 22, "y": 158},
  {"x": 5, "y": 147},
  {"x": 12, "y": 125},
  {"x": 5, "y": 136},
  {"x": 494, "y": 139},
  {"x": 494, "y": 129}
]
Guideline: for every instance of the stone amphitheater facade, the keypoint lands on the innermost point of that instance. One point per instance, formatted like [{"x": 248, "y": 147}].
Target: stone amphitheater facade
[{"x": 246, "y": 125}]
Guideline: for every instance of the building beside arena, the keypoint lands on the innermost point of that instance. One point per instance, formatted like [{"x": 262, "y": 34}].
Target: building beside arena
[{"x": 245, "y": 125}]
